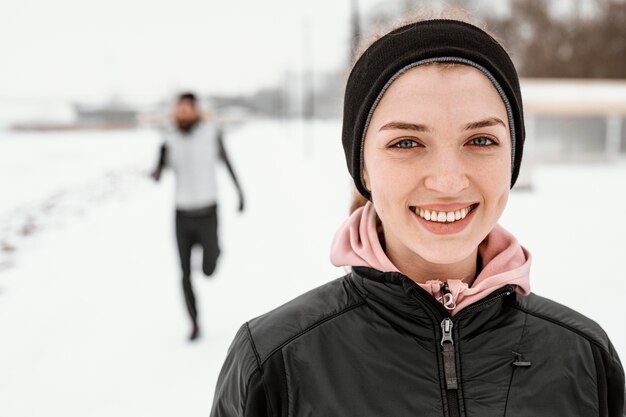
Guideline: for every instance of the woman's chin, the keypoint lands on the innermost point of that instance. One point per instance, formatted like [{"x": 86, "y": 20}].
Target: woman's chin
[{"x": 445, "y": 254}]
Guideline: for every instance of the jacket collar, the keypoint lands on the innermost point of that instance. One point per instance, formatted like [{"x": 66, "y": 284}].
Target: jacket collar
[{"x": 403, "y": 303}]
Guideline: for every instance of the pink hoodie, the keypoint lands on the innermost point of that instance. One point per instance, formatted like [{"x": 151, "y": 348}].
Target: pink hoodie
[{"x": 505, "y": 261}]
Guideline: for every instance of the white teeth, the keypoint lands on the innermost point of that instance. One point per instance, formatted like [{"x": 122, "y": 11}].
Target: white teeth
[{"x": 443, "y": 216}]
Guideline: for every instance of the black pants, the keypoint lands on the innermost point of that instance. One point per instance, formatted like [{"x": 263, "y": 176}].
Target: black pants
[{"x": 196, "y": 227}]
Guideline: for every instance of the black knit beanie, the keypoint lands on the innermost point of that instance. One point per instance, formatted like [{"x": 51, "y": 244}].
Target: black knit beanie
[{"x": 416, "y": 44}]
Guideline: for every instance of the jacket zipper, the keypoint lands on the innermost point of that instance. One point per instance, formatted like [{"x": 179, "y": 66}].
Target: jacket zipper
[
  {"x": 449, "y": 367},
  {"x": 447, "y": 347}
]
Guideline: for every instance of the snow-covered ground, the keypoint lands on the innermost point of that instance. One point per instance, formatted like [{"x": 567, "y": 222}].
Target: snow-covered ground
[{"x": 92, "y": 320}]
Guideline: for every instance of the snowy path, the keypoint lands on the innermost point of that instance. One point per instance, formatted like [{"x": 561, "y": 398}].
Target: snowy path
[{"x": 92, "y": 321}]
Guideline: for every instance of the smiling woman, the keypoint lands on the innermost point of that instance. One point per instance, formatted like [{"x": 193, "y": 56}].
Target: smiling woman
[
  {"x": 436, "y": 316},
  {"x": 438, "y": 172}
]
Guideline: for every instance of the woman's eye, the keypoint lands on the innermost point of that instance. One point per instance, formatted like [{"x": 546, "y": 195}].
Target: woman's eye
[
  {"x": 482, "y": 141},
  {"x": 405, "y": 144}
]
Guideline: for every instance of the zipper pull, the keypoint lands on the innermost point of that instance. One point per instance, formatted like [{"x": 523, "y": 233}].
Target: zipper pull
[
  {"x": 449, "y": 361},
  {"x": 520, "y": 362},
  {"x": 447, "y": 299}
]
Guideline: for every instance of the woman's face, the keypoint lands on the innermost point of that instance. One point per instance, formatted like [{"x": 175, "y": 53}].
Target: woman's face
[{"x": 438, "y": 163}]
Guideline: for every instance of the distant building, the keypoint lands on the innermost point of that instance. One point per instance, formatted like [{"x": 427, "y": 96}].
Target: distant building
[
  {"x": 575, "y": 119},
  {"x": 112, "y": 115},
  {"x": 572, "y": 120}
]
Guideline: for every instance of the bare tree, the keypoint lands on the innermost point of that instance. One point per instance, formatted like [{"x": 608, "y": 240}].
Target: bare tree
[{"x": 574, "y": 46}]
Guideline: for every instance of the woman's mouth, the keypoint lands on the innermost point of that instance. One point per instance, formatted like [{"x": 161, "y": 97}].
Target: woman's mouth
[
  {"x": 450, "y": 220},
  {"x": 443, "y": 216}
]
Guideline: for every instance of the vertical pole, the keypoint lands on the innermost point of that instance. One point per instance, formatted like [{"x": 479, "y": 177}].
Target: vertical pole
[
  {"x": 408, "y": 7},
  {"x": 355, "y": 29},
  {"x": 613, "y": 136},
  {"x": 308, "y": 90},
  {"x": 524, "y": 180}
]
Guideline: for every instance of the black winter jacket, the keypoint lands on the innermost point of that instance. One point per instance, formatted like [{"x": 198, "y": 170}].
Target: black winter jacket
[{"x": 376, "y": 344}]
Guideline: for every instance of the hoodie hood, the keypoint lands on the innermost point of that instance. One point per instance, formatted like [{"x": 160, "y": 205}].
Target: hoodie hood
[{"x": 504, "y": 260}]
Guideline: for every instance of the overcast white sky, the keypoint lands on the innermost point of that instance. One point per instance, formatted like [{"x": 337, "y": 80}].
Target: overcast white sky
[
  {"x": 143, "y": 50},
  {"x": 146, "y": 48}
]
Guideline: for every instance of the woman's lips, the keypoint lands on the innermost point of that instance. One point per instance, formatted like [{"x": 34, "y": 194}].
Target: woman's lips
[{"x": 445, "y": 219}]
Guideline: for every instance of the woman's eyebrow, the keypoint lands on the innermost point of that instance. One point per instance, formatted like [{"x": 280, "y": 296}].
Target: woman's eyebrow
[
  {"x": 405, "y": 126},
  {"x": 491, "y": 121}
]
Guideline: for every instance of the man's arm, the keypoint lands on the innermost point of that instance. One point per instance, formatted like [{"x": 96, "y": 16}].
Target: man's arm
[
  {"x": 231, "y": 171},
  {"x": 156, "y": 173}
]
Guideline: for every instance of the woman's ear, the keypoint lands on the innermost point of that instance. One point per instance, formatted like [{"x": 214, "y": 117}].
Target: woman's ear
[{"x": 366, "y": 180}]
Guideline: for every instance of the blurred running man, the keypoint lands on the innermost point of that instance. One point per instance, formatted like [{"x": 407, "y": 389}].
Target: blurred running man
[{"x": 192, "y": 148}]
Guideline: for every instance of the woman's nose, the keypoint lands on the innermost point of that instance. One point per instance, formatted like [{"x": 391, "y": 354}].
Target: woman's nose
[{"x": 447, "y": 177}]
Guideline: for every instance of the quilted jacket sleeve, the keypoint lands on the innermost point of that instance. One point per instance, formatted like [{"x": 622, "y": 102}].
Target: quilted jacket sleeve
[
  {"x": 239, "y": 391},
  {"x": 611, "y": 387}
]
